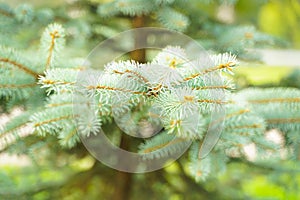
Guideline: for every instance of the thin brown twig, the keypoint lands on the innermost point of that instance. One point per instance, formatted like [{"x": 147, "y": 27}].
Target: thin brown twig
[{"x": 20, "y": 66}]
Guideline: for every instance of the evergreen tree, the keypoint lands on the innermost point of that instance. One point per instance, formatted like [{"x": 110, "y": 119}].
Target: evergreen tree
[{"x": 41, "y": 81}]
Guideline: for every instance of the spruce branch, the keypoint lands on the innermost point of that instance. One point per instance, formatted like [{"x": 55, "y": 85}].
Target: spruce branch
[
  {"x": 158, "y": 147},
  {"x": 15, "y": 128},
  {"x": 212, "y": 101},
  {"x": 100, "y": 87},
  {"x": 173, "y": 19},
  {"x": 4, "y": 133},
  {"x": 134, "y": 73},
  {"x": 282, "y": 121},
  {"x": 134, "y": 7},
  {"x": 24, "y": 13},
  {"x": 108, "y": 9},
  {"x": 37, "y": 124},
  {"x": 275, "y": 100},
  {"x": 52, "y": 120},
  {"x": 212, "y": 87},
  {"x": 6, "y": 11},
  {"x": 14, "y": 86},
  {"x": 161, "y": 145},
  {"x": 221, "y": 62},
  {"x": 20, "y": 66},
  {"x": 52, "y": 42},
  {"x": 59, "y": 80},
  {"x": 278, "y": 106},
  {"x": 69, "y": 137}
]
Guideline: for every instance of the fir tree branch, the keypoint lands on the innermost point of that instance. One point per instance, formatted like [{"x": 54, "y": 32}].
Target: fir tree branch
[
  {"x": 53, "y": 105},
  {"x": 209, "y": 87},
  {"x": 16, "y": 127},
  {"x": 240, "y": 112},
  {"x": 60, "y": 104},
  {"x": 6, "y": 132},
  {"x": 283, "y": 121},
  {"x": 275, "y": 100},
  {"x": 212, "y": 101},
  {"x": 18, "y": 85},
  {"x": 154, "y": 148},
  {"x": 70, "y": 135},
  {"x": 54, "y": 35},
  {"x": 53, "y": 120},
  {"x": 53, "y": 82},
  {"x": 145, "y": 80},
  {"x": 92, "y": 87},
  {"x": 228, "y": 66},
  {"x": 52, "y": 42},
  {"x": 6, "y": 13},
  {"x": 248, "y": 126},
  {"x": 21, "y": 67}
]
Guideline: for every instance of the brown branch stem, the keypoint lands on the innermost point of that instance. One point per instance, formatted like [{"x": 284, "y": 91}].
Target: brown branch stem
[{"x": 21, "y": 67}]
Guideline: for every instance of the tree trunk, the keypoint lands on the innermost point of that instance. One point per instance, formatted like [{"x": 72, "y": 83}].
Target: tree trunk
[
  {"x": 124, "y": 180},
  {"x": 140, "y": 39}
]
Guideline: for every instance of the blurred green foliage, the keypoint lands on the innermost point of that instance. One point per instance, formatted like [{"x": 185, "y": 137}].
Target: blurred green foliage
[
  {"x": 292, "y": 79},
  {"x": 280, "y": 18}
]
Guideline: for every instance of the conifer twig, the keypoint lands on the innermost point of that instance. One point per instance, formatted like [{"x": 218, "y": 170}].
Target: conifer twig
[
  {"x": 157, "y": 147},
  {"x": 283, "y": 120},
  {"x": 18, "y": 85},
  {"x": 21, "y": 67},
  {"x": 228, "y": 66},
  {"x": 54, "y": 35},
  {"x": 275, "y": 100}
]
